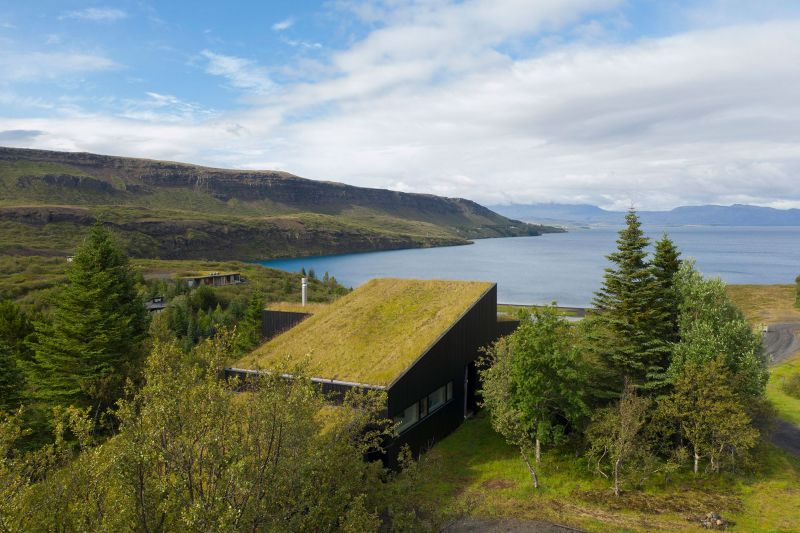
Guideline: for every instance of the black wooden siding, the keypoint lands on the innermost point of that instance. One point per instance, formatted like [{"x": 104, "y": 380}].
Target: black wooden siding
[
  {"x": 453, "y": 354},
  {"x": 276, "y": 322},
  {"x": 506, "y": 327}
]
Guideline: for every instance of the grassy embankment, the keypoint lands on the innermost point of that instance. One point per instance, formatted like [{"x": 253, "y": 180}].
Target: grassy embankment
[{"x": 473, "y": 471}]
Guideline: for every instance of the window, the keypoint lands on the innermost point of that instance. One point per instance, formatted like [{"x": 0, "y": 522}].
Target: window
[
  {"x": 410, "y": 416},
  {"x": 437, "y": 398},
  {"x": 427, "y": 405}
]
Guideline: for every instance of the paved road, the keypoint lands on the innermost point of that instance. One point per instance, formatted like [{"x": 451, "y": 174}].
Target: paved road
[
  {"x": 780, "y": 341},
  {"x": 786, "y": 436}
]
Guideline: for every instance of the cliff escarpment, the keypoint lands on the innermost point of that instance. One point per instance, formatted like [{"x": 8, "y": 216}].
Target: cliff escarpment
[{"x": 175, "y": 210}]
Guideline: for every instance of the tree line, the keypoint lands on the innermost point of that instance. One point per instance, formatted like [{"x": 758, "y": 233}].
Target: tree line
[
  {"x": 664, "y": 373},
  {"x": 112, "y": 421}
]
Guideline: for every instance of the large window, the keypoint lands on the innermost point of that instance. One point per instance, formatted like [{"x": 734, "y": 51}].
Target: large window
[
  {"x": 410, "y": 417},
  {"x": 425, "y": 407},
  {"x": 437, "y": 398}
]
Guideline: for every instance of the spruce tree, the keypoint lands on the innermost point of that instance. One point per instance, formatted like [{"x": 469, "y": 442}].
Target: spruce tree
[
  {"x": 627, "y": 316},
  {"x": 249, "y": 328},
  {"x": 94, "y": 340},
  {"x": 666, "y": 263},
  {"x": 12, "y": 380},
  {"x": 15, "y": 328}
]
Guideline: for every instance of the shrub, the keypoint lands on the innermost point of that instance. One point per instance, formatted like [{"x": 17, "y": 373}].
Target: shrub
[
  {"x": 792, "y": 386},
  {"x": 797, "y": 292}
]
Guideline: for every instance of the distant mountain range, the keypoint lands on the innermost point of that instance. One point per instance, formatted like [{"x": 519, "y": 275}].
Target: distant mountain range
[
  {"x": 181, "y": 211},
  {"x": 708, "y": 215}
]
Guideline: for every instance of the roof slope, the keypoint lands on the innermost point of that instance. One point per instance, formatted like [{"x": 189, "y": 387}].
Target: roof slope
[{"x": 374, "y": 333}]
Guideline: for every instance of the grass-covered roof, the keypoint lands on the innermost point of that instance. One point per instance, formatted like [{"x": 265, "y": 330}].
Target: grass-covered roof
[{"x": 374, "y": 333}]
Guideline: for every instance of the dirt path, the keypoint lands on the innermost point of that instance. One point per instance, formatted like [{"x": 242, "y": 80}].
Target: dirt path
[{"x": 506, "y": 525}]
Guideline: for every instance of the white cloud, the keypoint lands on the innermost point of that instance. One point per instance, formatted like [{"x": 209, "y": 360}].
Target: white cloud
[
  {"x": 241, "y": 73},
  {"x": 97, "y": 14},
  {"x": 429, "y": 101},
  {"x": 303, "y": 44},
  {"x": 283, "y": 25},
  {"x": 18, "y": 66},
  {"x": 157, "y": 107}
]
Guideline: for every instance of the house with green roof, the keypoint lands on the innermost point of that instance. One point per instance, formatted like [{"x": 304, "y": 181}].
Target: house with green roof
[{"x": 418, "y": 340}]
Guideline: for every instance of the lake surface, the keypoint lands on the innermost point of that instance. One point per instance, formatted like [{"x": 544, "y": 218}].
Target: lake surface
[{"x": 568, "y": 267}]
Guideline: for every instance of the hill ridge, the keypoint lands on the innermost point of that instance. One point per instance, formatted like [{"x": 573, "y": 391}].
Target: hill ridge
[{"x": 172, "y": 209}]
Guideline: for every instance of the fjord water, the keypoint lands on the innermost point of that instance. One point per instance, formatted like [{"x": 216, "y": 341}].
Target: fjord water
[{"x": 568, "y": 267}]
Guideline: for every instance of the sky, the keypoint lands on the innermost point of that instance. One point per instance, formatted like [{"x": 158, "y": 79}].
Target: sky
[{"x": 650, "y": 103}]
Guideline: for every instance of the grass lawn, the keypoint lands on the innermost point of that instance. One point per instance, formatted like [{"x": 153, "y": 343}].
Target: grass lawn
[
  {"x": 514, "y": 309},
  {"x": 474, "y": 472},
  {"x": 765, "y": 303},
  {"x": 787, "y": 406}
]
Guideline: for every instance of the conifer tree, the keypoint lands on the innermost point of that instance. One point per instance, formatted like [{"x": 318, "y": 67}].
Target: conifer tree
[
  {"x": 249, "y": 328},
  {"x": 94, "y": 340},
  {"x": 627, "y": 315},
  {"x": 15, "y": 328},
  {"x": 666, "y": 263},
  {"x": 11, "y": 379}
]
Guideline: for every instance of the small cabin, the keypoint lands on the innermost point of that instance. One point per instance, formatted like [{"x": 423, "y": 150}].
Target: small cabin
[
  {"x": 156, "y": 304},
  {"x": 213, "y": 279},
  {"x": 416, "y": 340}
]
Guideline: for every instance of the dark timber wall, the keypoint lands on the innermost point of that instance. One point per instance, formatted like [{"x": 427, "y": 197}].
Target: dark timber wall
[
  {"x": 276, "y": 322},
  {"x": 506, "y": 327},
  {"x": 450, "y": 358}
]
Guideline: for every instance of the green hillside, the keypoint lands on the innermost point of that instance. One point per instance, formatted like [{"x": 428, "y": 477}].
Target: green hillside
[{"x": 175, "y": 210}]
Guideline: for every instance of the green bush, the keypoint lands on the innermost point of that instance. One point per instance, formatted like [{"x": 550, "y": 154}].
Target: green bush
[
  {"x": 792, "y": 386},
  {"x": 797, "y": 292}
]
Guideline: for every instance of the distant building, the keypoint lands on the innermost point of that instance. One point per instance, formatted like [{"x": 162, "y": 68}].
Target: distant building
[
  {"x": 416, "y": 340},
  {"x": 156, "y": 305},
  {"x": 213, "y": 279}
]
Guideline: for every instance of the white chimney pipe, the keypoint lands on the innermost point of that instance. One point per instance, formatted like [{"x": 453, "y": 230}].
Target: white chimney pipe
[{"x": 304, "y": 291}]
